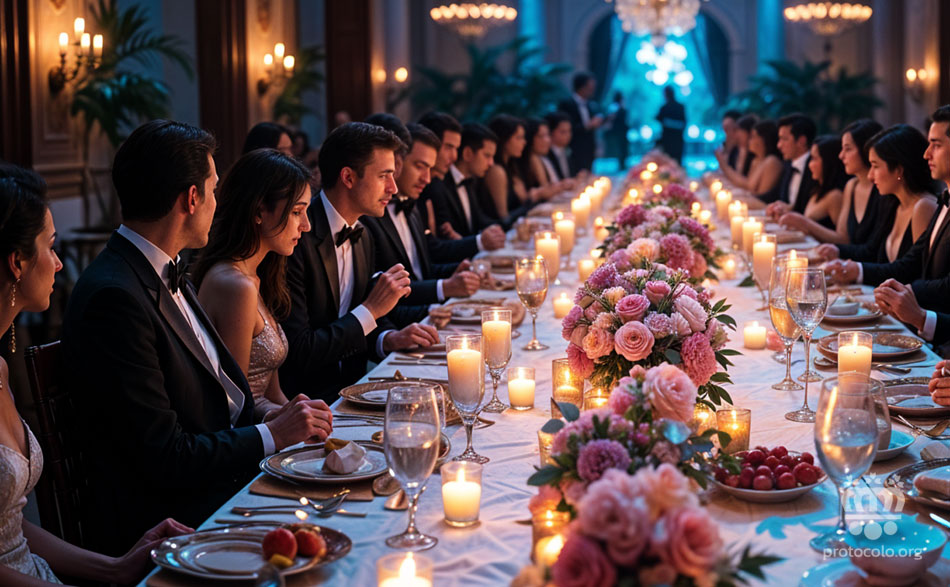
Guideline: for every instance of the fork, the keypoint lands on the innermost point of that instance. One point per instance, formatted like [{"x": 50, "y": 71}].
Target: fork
[
  {"x": 934, "y": 432},
  {"x": 334, "y": 501}
]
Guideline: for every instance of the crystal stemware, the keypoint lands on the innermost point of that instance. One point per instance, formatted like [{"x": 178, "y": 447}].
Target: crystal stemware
[
  {"x": 807, "y": 301},
  {"x": 466, "y": 385},
  {"x": 787, "y": 329},
  {"x": 496, "y": 341},
  {"x": 531, "y": 283}
]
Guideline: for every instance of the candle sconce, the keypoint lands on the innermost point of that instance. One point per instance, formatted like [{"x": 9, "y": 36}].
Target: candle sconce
[
  {"x": 284, "y": 69},
  {"x": 88, "y": 56},
  {"x": 916, "y": 81}
]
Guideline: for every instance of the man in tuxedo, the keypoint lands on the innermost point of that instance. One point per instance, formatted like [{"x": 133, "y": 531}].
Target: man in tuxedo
[
  {"x": 558, "y": 160},
  {"x": 926, "y": 265},
  {"x": 796, "y": 132},
  {"x": 165, "y": 412},
  {"x": 585, "y": 120},
  {"x": 337, "y": 317}
]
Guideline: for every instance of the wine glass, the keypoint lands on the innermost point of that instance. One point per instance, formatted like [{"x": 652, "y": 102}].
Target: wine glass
[
  {"x": 466, "y": 385},
  {"x": 496, "y": 337},
  {"x": 411, "y": 443},
  {"x": 531, "y": 282},
  {"x": 547, "y": 244},
  {"x": 846, "y": 438},
  {"x": 807, "y": 301},
  {"x": 763, "y": 251},
  {"x": 787, "y": 329}
]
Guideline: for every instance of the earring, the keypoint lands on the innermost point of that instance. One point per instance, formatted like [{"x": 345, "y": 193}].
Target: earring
[{"x": 13, "y": 326}]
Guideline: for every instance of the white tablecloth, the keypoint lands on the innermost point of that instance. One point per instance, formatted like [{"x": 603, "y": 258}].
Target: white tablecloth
[{"x": 494, "y": 551}]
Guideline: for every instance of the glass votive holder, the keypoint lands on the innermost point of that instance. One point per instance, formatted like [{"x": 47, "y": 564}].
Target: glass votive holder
[
  {"x": 703, "y": 419},
  {"x": 562, "y": 305},
  {"x": 565, "y": 386},
  {"x": 521, "y": 388},
  {"x": 547, "y": 536},
  {"x": 399, "y": 569},
  {"x": 595, "y": 397},
  {"x": 736, "y": 422},
  {"x": 854, "y": 352},
  {"x": 545, "y": 440},
  {"x": 461, "y": 492}
]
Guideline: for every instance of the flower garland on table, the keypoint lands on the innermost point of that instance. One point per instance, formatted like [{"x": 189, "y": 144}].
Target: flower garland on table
[
  {"x": 656, "y": 168},
  {"x": 624, "y": 317}
]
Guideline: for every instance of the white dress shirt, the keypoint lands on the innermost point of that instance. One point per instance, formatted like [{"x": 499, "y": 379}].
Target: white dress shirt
[
  {"x": 463, "y": 193},
  {"x": 582, "y": 107},
  {"x": 405, "y": 236},
  {"x": 795, "y": 182},
  {"x": 561, "y": 156},
  {"x": 553, "y": 175},
  {"x": 159, "y": 261}
]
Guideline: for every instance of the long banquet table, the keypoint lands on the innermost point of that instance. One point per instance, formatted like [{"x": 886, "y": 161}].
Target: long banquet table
[{"x": 493, "y": 552}]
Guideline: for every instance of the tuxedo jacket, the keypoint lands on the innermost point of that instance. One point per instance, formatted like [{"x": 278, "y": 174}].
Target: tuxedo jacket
[
  {"x": 562, "y": 172},
  {"x": 926, "y": 268},
  {"x": 583, "y": 141},
  {"x": 443, "y": 193},
  {"x": 805, "y": 187},
  {"x": 155, "y": 425},
  {"x": 326, "y": 352}
]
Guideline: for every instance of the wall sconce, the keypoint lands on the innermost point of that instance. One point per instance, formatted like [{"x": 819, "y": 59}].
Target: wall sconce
[
  {"x": 274, "y": 74},
  {"x": 916, "y": 82},
  {"x": 88, "y": 50},
  {"x": 393, "y": 91}
]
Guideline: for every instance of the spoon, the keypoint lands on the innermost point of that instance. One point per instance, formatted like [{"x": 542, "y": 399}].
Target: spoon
[{"x": 397, "y": 501}]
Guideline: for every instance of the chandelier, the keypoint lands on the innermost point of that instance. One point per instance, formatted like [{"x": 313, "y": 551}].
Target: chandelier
[
  {"x": 657, "y": 18},
  {"x": 828, "y": 18},
  {"x": 473, "y": 20}
]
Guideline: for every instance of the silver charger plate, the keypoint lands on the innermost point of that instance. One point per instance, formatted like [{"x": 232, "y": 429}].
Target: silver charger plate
[
  {"x": 234, "y": 554},
  {"x": 374, "y": 393},
  {"x": 900, "y": 441},
  {"x": 910, "y": 396},
  {"x": 863, "y": 315},
  {"x": 903, "y": 480},
  {"x": 305, "y": 465}
]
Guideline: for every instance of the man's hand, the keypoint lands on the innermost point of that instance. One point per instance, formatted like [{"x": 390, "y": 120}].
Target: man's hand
[
  {"x": 827, "y": 251},
  {"x": 390, "y": 287},
  {"x": 777, "y": 209},
  {"x": 940, "y": 384},
  {"x": 132, "y": 566},
  {"x": 463, "y": 282},
  {"x": 493, "y": 238},
  {"x": 898, "y": 300},
  {"x": 412, "y": 336},
  {"x": 300, "y": 420},
  {"x": 446, "y": 231},
  {"x": 843, "y": 272}
]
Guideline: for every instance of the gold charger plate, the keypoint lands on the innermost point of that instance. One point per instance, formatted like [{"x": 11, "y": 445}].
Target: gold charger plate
[
  {"x": 374, "y": 393},
  {"x": 305, "y": 465},
  {"x": 885, "y": 345}
]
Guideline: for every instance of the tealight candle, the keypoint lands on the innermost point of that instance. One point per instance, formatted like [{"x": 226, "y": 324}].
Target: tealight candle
[
  {"x": 580, "y": 207},
  {"x": 657, "y": 189},
  {"x": 705, "y": 217},
  {"x": 600, "y": 229},
  {"x": 763, "y": 251},
  {"x": 695, "y": 209},
  {"x": 796, "y": 261},
  {"x": 704, "y": 418},
  {"x": 595, "y": 397},
  {"x": 404, "y": 570},
  {"x": 547, "y": 535},
  {"x": 521, "y": 388},
  {"x": 584, "y": 268},
  {"x": 545, "y": 440},
  {"x": 729, "y": 268},
  {"x": 754, "y": 335},
  {"x": 738, "y": 208},
  {"x": 562, "y": 305},
  {"x": 548, "y": 549},
  {"x": 547, "y": 244},
  {"x": 496, "y": 336},
  {"x": 565, "y": 386},
  {"x": 749, "y": 228},
  {"x": 736, "y": 422},
  {"x": 854, "y": 352},
  {"x": 723, "y": 199},
  {"x": 461, "y": 492}
]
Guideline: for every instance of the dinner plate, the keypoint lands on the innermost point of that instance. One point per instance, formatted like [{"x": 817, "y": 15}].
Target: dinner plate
[
  {"x": 234, "y": 554},
  {"x": 910, "y": 396},
  {"x": 903, "y": 480},
  {"x": 885, "y": 345},
  {"x": 502, "y": 263},
  {"x": 900, "y": 441},
  {"x": 863, "y": 315},
  {"x": 305, "y": 465},
  {"x": 374, "y": 393},
  {"x": 843, "y": 573}
]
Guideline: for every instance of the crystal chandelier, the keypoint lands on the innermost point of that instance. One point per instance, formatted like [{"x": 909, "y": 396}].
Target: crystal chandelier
[
  {"x": 828, "y": 18},
  {"x": 657, "y": 18},
  {"x": 473, "y": 20}
]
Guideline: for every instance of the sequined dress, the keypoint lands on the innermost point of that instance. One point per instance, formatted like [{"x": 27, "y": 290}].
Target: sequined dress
[{"x": 268, "y": 351}]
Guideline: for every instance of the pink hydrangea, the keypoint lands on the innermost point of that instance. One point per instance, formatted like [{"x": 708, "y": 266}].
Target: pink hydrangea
[
  {"x": 570, "y": 322},
  {"x": 613, "y": 512},
  {"x": 693, "y": 312},
  {"x": 632, "y": 215},
  {"x": 699, "y": 360},
  {"x": 597, "y": 343},
  {"x": 671, "y": 392},
  {"x": 622, "y": 259},
  {"x": 634, "y": 341},
  {"x": 698, "y": 231},
  {"x": 573, "y": 490},
  {"x": 676, "y": 192},
  {"x": 678, "y": 253},
  {"x": 620, "y": 400},
  {"x": 659, "y": 324},
  {"x": 591, "y": 311},
  {"x": 578, "y": 361},
  {"x": 583, "y": 563},
  {"x": 656, "y": 290},
  {"x": 632, "y": 307},
  {"x": 597, "y": 456},
  {"x": 602, "y": 277}
]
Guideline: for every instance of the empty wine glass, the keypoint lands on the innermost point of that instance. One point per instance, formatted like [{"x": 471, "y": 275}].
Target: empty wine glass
[
  {"x": 466, "y": 385},
  {"x": 496, "y": 338},
  {"x": 411, "y": 443},
  {"x": 807, "y": 300},
  {"x": 846, "y": 439},
  {"x": 531, "y": 282},
  {"x": 787, "y": 329}
]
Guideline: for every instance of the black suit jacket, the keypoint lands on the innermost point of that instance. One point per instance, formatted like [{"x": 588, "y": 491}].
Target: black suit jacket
[
  {"x": 443, "y": 193},
  {"x": 583, "y": 141},
  {"x": 562, "y": 173},
  {"x": 925, "y": 268},
  {"x": 326, "y": 352},
  {"x": 805, "y": 187},
  {"x": 156, "y": 431}
]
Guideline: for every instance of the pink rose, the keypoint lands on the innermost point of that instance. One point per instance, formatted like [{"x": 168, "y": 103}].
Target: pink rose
[
  {"x": 689, "y": 541},
  {"x": 680, "y": 325},
  {"x": 582, "y": 563},
  {"x": 685, "y": 289},
  {"x": 672, "y": 393},
  {"x": 632, "y": 307},
  {"x": 644, "y": 249},
  {"x": 664, "y": 488},
  {"x": 699, "y": 266},
  {"x": 621, "y": 259},
  {"x": 638, "y": 372},
  {"x": 547, "y": 498},
  {"x": 633, "y": 341},
  {"x": 592, "y": 311},
  {"x": 655, "y": 291},
  {"x": 615, "y": 516},
  {"x": 693, "y": 312},
  {"x": 597, "y": 343}
]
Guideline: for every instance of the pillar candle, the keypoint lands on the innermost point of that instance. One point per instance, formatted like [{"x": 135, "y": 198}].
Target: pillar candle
[
  {"x": 763, "y": 252},
  {"x": 580, "y": 207},
  {"x": 735, "y": 225},
  {"x": 854, "y": 352},
  {"x": 705, "y": 217},
  {"x": 562, "y": 305},
  {"x": 695, "y": 209},
  {"x": 546, "y": 245},
  {"x": 496, "y": 341},
  {"x": 600, "y": 230},
  {"x": 715, "y": 186},
  {"x": 521, "y": 388},
  {"x": 723, "y": 199},
  {"x": 584, "y": 268},
  {"x": 465, "y": 371},
  {"x": 796, "y": 261},
  {"x": 564, "y": 227},
  {"x": 749, "y": 228},
  {"x": 461, "y": 492},
  {"x": 754, "y": 335}
]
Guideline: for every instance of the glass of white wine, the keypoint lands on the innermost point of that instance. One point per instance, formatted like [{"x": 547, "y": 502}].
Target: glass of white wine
[
  {"x": 411, "y": 443},
  {"x": 782, "y": 321},
  {"x": 496, "y": 340},
  {"x": 846, "y": 439},
  {"x": 807, "y": 301},
  {"x": 531, "y": 282}
]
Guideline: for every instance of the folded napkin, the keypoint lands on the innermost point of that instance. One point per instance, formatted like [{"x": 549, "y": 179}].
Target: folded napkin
[
  {"x": 935, "y": 450},
  {"x": 273, "y": 487}
]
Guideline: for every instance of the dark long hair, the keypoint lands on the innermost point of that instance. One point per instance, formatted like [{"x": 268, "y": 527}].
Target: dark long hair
[
  {"x": 903, "y": 145},
  {"x": 264, "y": 135},
  {"x": 261, "y": 180},
  {"x": 505, "y": 126},
  {"x": 22, "y": 210},
  {"x": 861, "y": 132},
  {"x": 833, "y": 175},
  {"x": 768, "y": 130},
  {"x": 532, "y": 126}
]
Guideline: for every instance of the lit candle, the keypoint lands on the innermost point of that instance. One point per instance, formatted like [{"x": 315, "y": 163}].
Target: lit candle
[
  {"x": 547, "y": 538},
  {"x": 84, "y": 44},
  {"x": 703, "y": 419},
  {"x": 63, "y": 43},
  {"x": 754, "y": 335},
  {"x": 289, "y": 63},
  {"x": 580, "y": 207},
  {"x": 79, "y": 26},
  {"x": 723, "y": 199},
  {"x": 749, "y": 228},
  {"x": 763, "y": 251},
  {"x": 496, "y": 337},
  {"x": 693, "y": 186},
  {"x": 652, "y": 166},
  {"x": 404, "y": 570},
  {"x": 562, "y": 305},
  {"x": 854, "y": 352},
  {"x": 465, "y": 374},
  {"x": 279, "y": 49},
  {"x": 646, "y": 174},
  {"x": 600, "y": 230},
  {"x": 736, "y": 208},
  {"x": 729, "y": 268},
  {"x": 735, "y": 422},
  {"x": 705, "y": 217},
  {"x": 735, "y": 225},
  {"x": 566, "y": 386},
  {"x": 268, "y": 62},
  {"x": 657, "y": 189},
  {"x": 521, "y": 388},
  {"x": 564, "y": 227},
  {"x": 584, "y": 268},
  {"x": 548, "y": 549},
  {"x": 545, "y": 441},
  {"x": 461, "y": 492},
  {"x": 97, "y": 46},
  {"x": 595, "y": 397},
  {"x": 548, "y": 246},
  {"x": 597, "y": 256},
  {"x": 796, "y": 261},
  {"x": 695, "y": 209},
  {"x": 715, "y": 186}
]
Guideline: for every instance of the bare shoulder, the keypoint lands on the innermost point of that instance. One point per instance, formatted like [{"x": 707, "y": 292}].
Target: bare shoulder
[{"x": 228, "y": 289}]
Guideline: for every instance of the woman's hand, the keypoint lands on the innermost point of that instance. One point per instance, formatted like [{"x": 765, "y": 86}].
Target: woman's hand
[
  {"x": 827, "y": 251},
  {"x": 777, "y": 209},
  {"x": 795, "y": 221},
  {"x": 132, "y": 566}
]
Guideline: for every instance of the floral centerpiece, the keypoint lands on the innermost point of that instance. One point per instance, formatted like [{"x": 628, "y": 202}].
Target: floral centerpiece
[
  {"x": 650, "y": 315},
  {"x": 655, "y": 168}
]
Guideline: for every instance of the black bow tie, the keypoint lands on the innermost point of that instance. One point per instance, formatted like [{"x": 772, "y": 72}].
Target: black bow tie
[
  {"x": 404, "y": 205},
  {"x": 349, "y": 233},
  {"x": 467, "y": 183},
  {"x": 176, "y": 276},
  {"x": 943, "y": 199}
]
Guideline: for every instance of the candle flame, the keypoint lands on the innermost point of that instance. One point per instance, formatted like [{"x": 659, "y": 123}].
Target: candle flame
[
  {"x": 407, "y": 570},
  {"x": 559, "y": 215},
  {"x": 301, "y": 515}
]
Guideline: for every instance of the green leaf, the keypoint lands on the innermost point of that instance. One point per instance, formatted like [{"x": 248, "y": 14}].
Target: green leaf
[
  {"x": 569, "y": 411},
  {"x": 547, "y": 475},
  {"x": 730, "y": 352},
  {"x": 727, "y": 320},
  {"x": 552, "y": 426},
  {"x": 673, "y": 356},
  {"x": 724, "y": 438},
  {"x": 747, "y": 282}
]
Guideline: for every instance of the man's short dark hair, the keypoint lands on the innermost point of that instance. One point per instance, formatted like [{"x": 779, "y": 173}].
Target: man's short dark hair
[
  {"x": 264, "y": 135},
  {"x": 160, "y": 160},
  {"x": 474, "y": 136},
  {"x": 420, "y": 134},
  {"x": 800, "y": 126},
  {"x": 352, "y": 145},
  {"x": 555, "y": 118},
  {"x": 393, "y": 125},
  {"x": 747, "y": 122},
  {"x": 439, "y": 122},
  {"x": 941, "y": 114},
  {"x": 733, "y": 114},
  {"x": 581, "y": 78}
]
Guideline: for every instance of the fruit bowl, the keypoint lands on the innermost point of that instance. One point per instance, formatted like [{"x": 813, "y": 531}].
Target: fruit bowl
[{"x": 775, "y": 487}]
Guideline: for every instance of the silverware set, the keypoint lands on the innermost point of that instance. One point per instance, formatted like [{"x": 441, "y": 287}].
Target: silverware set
[
  {"x": 324, "y": 508},
  {"x": 935, "y": 432}
]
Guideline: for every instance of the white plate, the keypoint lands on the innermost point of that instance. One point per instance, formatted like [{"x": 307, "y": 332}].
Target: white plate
[
  {"x": 770, "y": 496},
  {"x": 843, "y": 573},
  {"x": 903, "y": 480},
  {"x": 910, "y": 396},
  {"x": 305, "y": 465},
  {"x": 863, "y": 315},
  {"x": 900, "y": 441}
]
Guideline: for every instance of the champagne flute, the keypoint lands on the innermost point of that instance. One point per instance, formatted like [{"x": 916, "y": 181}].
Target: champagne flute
[
  {"x": 547, "y": 245},
  {"x": 763, "y": 251},
  {"x": 411, "y": 443},
  {"x": 496, "y": 338},
  {"x": 846, "y": 439},
  {"x": 782, "y": 320},
  {"x": 807, "y": 301},
  {"x": 531, "y": 282},
  {"x": 466, "y": 385}
]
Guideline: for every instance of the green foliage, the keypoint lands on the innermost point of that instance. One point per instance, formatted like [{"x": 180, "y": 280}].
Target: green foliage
[
  {"x": 832, "y": 100},
  {"x": 528, "y": 88},
  {"x": 307, "y": 77}
]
